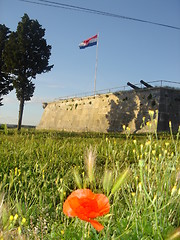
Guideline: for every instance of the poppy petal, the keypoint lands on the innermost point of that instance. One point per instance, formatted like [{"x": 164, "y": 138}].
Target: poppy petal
[
  {"x": 67, "y": 209},
  {"x": 89, "y": 207},
  {"x": 77, "y": 208},
  {"x": 74, "y": 203},
  {"x": 96, "y": 225},
  {"x": 103, "y": 204},
  {"x": 84, "y": 208},
  {"x": 80, "y": 193},
  {"x": 93, "y": 214}
]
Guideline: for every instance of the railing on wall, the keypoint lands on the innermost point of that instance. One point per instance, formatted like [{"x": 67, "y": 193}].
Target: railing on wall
[{"x": 156, "y": 83}]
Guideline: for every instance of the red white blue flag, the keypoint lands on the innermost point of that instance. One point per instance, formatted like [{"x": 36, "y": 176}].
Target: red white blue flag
[{"x": 89, "y": 42}]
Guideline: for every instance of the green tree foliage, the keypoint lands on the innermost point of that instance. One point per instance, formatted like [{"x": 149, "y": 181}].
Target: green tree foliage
[
  {"x": 26, "y": 54},
  {"x": 5, "y": 80}
]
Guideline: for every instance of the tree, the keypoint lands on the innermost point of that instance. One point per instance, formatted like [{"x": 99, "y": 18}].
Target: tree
[
  {"x": 26, "y": 54},
  {"x": 5, "y": 79}
]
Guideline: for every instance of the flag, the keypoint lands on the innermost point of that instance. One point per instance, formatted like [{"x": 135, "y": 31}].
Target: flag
[{"x": 89, "y": 42}]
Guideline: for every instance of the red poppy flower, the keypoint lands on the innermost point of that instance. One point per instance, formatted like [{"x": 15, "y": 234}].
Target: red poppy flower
[{"x": 86, "y": 205}]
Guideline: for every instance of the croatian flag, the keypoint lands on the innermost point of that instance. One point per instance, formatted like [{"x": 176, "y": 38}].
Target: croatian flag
[{"x": 89, "y": 42}]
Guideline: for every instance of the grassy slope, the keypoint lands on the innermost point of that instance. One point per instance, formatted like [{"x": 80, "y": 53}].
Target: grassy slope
[{"x": 36, "y": 176}]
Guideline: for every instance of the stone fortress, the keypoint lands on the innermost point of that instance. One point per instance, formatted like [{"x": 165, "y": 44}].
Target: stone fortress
[{"x": 137, "y": 110}]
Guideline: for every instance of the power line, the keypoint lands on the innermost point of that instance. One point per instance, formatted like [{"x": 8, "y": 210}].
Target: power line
[{"x": 94, "y": 11}]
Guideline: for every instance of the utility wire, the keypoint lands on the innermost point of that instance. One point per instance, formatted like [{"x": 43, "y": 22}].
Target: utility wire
[{"x": 94, "y": 11}]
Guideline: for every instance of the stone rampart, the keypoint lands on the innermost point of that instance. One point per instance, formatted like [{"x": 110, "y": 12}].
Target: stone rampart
[{"x": 140, "y": 110}]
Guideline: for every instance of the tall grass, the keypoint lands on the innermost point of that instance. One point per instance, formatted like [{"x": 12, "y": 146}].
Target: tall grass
[{"x": 37, "y": 174}]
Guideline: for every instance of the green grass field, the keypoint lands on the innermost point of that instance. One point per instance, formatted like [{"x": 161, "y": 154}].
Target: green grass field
[{"x": 38, "y": 170}]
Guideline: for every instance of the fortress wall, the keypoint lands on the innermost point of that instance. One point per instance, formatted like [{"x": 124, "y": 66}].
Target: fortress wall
[
  {"x": 169, "y": 109},
  {"x": 78, "y": 114},
  {"x": 104, "y": 113}
]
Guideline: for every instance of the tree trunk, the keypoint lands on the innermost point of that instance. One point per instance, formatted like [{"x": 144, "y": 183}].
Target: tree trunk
[{"x": 21, "y": 108}]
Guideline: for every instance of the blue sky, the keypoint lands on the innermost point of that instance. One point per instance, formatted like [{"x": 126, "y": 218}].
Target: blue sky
[{"x": 127, "y": 50}]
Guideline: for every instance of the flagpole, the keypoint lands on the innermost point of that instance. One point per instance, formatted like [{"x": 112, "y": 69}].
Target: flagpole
[{"x": 96, "y": 64}]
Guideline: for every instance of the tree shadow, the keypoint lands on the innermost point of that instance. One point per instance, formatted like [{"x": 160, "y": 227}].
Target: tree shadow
[
  {"x": 121, "y": 112},
  {"x": 129, "y": 108}
]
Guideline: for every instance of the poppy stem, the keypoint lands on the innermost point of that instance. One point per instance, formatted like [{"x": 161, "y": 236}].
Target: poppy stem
[{"x": 84, "y": 230}]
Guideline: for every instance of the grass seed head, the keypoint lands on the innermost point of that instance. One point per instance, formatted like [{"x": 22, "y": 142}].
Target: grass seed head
[
  {"x": 107, "y": 181},
  {"x": 77, "y": 179},
  {"x": 90, "y": 160},
  {"x": 121, "y": 179}
]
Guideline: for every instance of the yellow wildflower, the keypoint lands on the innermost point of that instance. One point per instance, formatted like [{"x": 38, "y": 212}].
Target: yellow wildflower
[
  {"x": 147, "y": 123},
  {"x": 11, "y": 218},
  {"x": 128, "y": 129},
  {"x": 19, "y": 230},
  {"x": 23, "y": 221},
  {"x": 151, "y": 113},
  {"x": 174, "y": 189},
  {"x": 153, "y": 152},
  {"x": 148, "y": 143},
  {"x": 140, "y": 186},
  {"x": 15, "y": 171},
  {"x": 133, "y": 194},
  {"x": 154, "y": 199},
  {"x": 16, "y": 217},
  {"x": 56, "y": 181}
]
